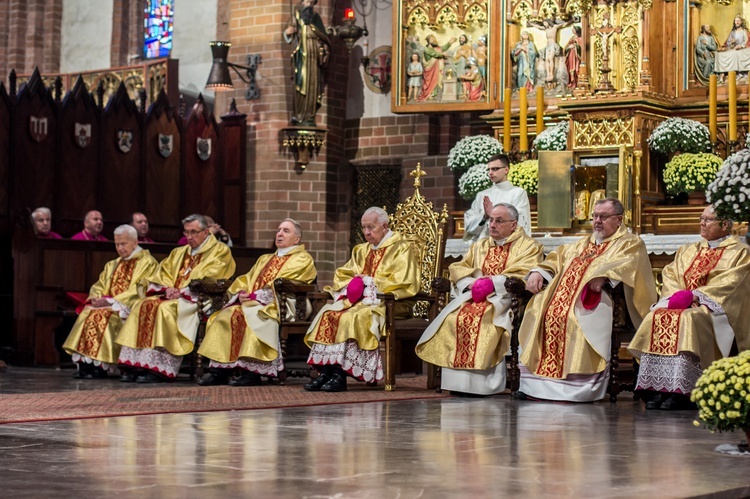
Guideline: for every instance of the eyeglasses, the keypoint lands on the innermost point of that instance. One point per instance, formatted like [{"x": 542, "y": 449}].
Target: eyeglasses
[
  {"x": 193, "y": 233},
  {"x": 500, "y": 221},
  {"x": 707, "y": 220},
  {"x": 604, "y": 217}
]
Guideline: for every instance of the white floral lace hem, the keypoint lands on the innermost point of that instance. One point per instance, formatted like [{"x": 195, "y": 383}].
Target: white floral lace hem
[
  {"x": 255, "y": 366},
  {"x": 364, "y": 365},
  {"x": 153, "y": 359},
  {"x": 667, "y": 373},
  {"x": 111, "y": 368}
]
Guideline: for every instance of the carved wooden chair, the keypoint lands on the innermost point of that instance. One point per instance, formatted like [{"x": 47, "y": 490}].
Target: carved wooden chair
[
  {"x": 208, "y": 291},
  {"x": 415, "y": 220},
  {"x": 623, "y": 374},
  {"x": 307, "y": 303},
  {"x": 519, "y": 298}
]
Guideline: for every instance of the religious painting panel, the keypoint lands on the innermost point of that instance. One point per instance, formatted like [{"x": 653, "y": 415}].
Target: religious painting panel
[
  {"x": 447, "y": 55},
  {"x": 717, "y": 41},
  {"x": 202, "y": 162},
  {"x": 546, "y": 47},
  {"x": 34, "y": 148},
  {"x": 121, "y": 147},
  {"x": 163, "y": 151},
  {"x": 79, "y": 155}
]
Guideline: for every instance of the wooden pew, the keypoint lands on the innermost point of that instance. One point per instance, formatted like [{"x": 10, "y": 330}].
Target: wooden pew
[{"x": 44, "y": 269}]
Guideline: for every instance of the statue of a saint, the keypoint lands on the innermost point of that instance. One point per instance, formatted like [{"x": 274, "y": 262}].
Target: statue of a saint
[
  {"x": 433, "y": 64},
  {"x": 310, "y": 56},
  {"x": 738, "y": 38},
  {"x": 705, "y": 54},
  {"x": 524, "y": 55},
  {"x": 573, "y": 51}
]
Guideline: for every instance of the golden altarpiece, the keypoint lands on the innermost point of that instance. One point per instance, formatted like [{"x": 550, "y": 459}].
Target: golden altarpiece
[{"x": 613, "y": 69}]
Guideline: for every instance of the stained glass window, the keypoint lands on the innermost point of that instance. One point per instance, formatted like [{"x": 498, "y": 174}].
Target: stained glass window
[{"x": 158, "y": 21}]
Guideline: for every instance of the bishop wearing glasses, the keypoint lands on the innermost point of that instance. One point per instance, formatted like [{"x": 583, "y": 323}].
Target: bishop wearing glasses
[
  {"x": 700, "y": 315},
  {"x": 470, "y": 337},
  {"x": 161, "y": 328},
  {"x": 566, "y": 331},
  {"x": 502, "y": 191}
]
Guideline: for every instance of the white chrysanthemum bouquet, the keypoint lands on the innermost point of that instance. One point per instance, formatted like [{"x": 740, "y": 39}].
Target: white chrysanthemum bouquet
[
  {"x": 680, "y": 135},
  {"x": 554, "y": 138},
  {"x": 730, "y": 191}
]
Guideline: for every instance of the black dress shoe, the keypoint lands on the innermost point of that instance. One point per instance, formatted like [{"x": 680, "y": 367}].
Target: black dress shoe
[
  {"x": 656, "y": 401},
  {"x": 246, "y": 379},
  {"x": 214, "y": 379},
  {"x": 317, "y": 383},
  {"x": 519, "y": 395},
  {"x": 95, "y": 373},
  {"x": 337, "y": 383},
  {"x": 127, "y": 377},
  {"x": 149, "y": 377},
  {"x": 676, "y": 402}
]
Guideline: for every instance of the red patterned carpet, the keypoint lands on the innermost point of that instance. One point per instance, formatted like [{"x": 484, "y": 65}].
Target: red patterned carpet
[{"x": 159, "y": 399}]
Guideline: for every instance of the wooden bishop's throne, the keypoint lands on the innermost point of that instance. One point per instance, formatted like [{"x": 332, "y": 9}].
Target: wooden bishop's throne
[{"x": 415, "y": 220}]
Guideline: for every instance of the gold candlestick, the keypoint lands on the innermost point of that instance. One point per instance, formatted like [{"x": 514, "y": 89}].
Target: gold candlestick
[
  {"x": 523, "y": 123},
  {"x": 732, "y": 106},
  {"x": 506, "y": 121},
  {"x": 712, "y": 105},
  {"x": 539, "y": 110}
]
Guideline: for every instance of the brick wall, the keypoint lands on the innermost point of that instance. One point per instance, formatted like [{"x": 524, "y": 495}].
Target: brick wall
[
  {"x": 30, "y": 34},
  {"x": 277, "y": 188},
  {"x": 410, "y": 139},
  {"x": 127, "y": 31}
]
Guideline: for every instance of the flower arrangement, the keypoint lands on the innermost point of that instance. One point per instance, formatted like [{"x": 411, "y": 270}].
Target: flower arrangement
[
  {"x": 554, "y": 138},
  {"x": 471, "y": 151},
  {"x": 691, "y": 172},
  {"x": 723, "y": 394},
  {"x": 730, "y": 191},
  {"x": 526, "y": 175},
  {"x": 680, "y": 135},
  {"x": 476, "y": 178}
]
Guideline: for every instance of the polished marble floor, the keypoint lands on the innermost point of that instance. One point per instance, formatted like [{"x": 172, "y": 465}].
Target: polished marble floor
[{"x": 453, "y": 447}]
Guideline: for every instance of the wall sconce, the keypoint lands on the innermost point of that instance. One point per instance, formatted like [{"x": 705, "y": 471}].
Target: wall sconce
[
  {"x": 219, "y": 78},
  {"x": 348, "y": 31}
]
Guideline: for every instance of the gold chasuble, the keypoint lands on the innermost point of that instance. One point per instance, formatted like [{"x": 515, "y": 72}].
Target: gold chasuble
[
  {"x": 172, "y": 324},
  {"x": 251, "y": 329},
  {"x": 93, "y": 334},
  {"x": 394, "y": 267},
  {"x": 720, "y": 278},
  {"x": 554, "y": 344},
  {"x": 469, "y": 335}
]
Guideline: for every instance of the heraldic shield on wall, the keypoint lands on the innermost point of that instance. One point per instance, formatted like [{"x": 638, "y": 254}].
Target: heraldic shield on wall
[
  {"x": 446, "y": 56},
  {"x": 125, "y": 140},
  {"x": 166, "y": 144},
  {"x": 203, "y": 148}
]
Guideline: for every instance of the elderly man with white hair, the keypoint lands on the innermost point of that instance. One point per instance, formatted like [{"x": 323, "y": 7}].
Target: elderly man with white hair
[
  {"x": 42, "y": 219},
  {"x": 344, "y": 337},
  {"x": 91, "y": 342},
  {"x": 244, "y": 335}
]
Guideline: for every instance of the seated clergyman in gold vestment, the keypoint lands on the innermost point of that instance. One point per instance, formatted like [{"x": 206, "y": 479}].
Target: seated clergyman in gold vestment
[
  {"x": 162, "y": 327},
  {"x": 344, "y": 337},
  {"x": 91, "y": 342},
  {"x": 699, "y": 316},
  {"x": 566, "y": 331},
  {"x": 471, "y": 336},
  {"x": 244, "y": 336}
]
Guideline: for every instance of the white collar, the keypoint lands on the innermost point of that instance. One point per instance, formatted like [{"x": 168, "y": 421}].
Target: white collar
[
  {"x": 716, "y": 242},
  {"x": 137, "y": 250},
  {"x": 197, "y": 250},
  {"x": 385, "y": 238},
  {"x": 284, "y": 251}
]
